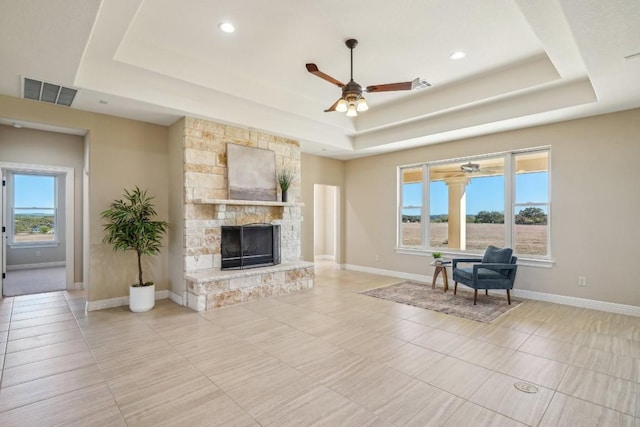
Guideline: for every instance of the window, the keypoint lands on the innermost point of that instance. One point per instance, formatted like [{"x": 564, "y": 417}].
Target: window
[
  {"x": 500, "y": 200},
  {"x": 531, "y": 204},
  {"x": 34, "y": 209},
  {"x": 411, "y": 209}
]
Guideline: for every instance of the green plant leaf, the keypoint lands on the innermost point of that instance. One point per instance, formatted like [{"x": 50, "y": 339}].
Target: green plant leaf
[{"x": 130, "y": 226}]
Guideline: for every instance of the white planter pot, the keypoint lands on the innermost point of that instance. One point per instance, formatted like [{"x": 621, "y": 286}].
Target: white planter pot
[{"x": 142, "y": 298}]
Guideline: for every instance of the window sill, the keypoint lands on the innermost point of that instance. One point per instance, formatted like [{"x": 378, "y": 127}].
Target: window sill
[
  {"x": 33, "y": 245},
  {"x": 527, "y": 262}
]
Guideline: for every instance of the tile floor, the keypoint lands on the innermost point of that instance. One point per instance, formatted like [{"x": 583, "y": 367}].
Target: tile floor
[{"x": 324, "y": 357}]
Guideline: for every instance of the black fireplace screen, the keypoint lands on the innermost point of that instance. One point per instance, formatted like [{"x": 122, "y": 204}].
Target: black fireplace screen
[{"x": 250, "y": 246}]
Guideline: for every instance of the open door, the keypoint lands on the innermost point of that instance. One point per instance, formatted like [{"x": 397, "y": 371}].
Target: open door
[
  {"x": 40, "y": 256},
  {"x": 325, "y": 222}
]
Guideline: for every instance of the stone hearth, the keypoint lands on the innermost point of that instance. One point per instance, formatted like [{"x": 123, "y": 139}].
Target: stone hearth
[
  {"x": 210, "y": 289},
  {"x": 207, "y": 208}
]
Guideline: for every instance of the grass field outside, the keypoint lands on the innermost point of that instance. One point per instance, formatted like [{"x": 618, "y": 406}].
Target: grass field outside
[
  {"x": 529, "y": 239},
  {"x": 34, "y": 237}
]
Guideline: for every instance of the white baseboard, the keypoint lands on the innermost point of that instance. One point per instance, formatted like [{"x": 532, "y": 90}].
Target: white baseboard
[
  {"x": 107, "y": 303},
  {"x": 324, "y": 257},
  {"x": 175, "y": 298},
  {"x": 630, "y": 310},
  {"x": 36, "y": 265},
  {"x": 382, "y": 272},
  {"x": 119, "y": 301},
  {"x": 78, "y": 286}
]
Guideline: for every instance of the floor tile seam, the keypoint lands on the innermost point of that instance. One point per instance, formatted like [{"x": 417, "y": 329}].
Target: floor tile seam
[
  {"x": 596, "y": 403},
  {"x": 115, "y": 401},
  {"x": 313, "y": 383},
  {"x": 52, "y": 358},
  {"x": 447, "y": 391},
  {"x": 95, "y": 360},
  {"x": 5, "y": 344},
  {"x": 40, "y": 345},
  {"x": 497, "y": 345},
  {"x": 221, "y": 389},
  {"x": 54, "y": 396},
  {"x": 601, "y": 373},
  {"x": 444, "y": 422},
  {"x": 437, "y": 351},
  {"x": 39, "y": 309},
  {"x": 38, "y": 324},
  {"x": 64, "y": 371},
  {"x": 370, "y": 411},
  {"x": 544, "y": 413},
  {"x": 21, "y": 304},
  {"x": 493, "y": 370},
  {"x": 558, "y": 392}
]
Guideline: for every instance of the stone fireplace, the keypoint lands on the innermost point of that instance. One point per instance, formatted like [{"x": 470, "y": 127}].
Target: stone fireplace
[{"x": 207, "y": 209}]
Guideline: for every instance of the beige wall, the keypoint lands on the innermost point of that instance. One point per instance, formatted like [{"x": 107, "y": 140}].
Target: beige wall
[
  {"x": 36, "y": 147},
  {"x": 594, "y": 203},
  {"x": 324, "y": 171},
  {"x": 122, "y": 153}
]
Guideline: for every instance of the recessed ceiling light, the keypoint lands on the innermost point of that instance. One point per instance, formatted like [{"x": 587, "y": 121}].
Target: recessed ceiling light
[
  {"x": 457, "y": 55},
  {"x": 227, "y": 27}
]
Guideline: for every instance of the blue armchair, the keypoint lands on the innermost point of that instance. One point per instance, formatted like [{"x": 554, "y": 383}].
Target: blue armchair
[{"x": 496, "y": 270}]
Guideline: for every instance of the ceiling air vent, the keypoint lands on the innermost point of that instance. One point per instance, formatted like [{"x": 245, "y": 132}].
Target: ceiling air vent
[{"x": 48, "y": 92}]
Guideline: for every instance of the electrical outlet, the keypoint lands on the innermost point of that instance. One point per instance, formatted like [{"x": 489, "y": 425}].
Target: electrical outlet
[
  {"x": 377, "y": 257},
  {"x": 38, "y": 253},
  {"x": 582, "y": 281}
]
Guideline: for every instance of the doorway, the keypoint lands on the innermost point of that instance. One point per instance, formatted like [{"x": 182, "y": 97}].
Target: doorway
[
  {"x": 325, "y": 222},
  {"x": 38, "y": 227}
]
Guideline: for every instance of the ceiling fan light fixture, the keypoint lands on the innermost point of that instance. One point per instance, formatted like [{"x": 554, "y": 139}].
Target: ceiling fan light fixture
[
  {"x": 342, "y": 105},
  {"x": 351, "y": 111},
  {"x": 227, "y": 27},
  {"x": 470, "y": 167},
  {"x": 361, "y": 105}
]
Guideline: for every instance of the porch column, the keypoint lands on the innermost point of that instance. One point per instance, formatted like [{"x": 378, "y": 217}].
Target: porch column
[{"x": 457, "y": 212}]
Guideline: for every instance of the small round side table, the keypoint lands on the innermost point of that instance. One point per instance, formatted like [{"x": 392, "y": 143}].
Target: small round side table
[{"x": 440, "y": 268}]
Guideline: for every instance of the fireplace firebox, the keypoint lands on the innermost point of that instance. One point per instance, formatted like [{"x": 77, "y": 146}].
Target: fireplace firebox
[{"x": 250, "y": 246}]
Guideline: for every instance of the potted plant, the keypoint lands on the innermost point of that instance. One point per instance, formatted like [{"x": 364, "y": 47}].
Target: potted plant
[
  {"x": 130, "y": 226},
  {"x": 437, "y": 257},
  {"x": 285, "y": 178}
]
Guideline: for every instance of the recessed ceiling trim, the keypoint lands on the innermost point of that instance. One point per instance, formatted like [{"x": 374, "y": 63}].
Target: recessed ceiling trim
[{"x": 51, "y": 93}]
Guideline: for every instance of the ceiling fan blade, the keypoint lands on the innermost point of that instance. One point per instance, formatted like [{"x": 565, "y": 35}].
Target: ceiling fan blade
[
  {"x": 333, "y": 107},
  {"x": 313, "y": 69},
  {"x": 395, "y": 86}
]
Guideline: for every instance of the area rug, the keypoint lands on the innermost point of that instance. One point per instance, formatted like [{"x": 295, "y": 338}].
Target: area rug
[{"x": 488, "y": 308}]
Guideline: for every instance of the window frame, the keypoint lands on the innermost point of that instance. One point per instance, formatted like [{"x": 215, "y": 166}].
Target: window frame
[
  {"x": 12, "y": 211},
  {"x": 509, "y": 206}
]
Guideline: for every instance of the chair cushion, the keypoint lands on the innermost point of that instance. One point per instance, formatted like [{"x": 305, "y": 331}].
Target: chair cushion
[
  {"x": 489, "y": 279},
  {"x": 495, "y": 255}
]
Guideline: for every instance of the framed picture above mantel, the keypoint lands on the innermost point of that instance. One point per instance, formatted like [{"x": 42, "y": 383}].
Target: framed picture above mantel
[{"x": 252, "y": 173}]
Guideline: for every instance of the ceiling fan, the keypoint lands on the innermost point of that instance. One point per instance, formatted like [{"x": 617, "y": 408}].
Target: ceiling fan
[
  {"x": 475, "y": 167},
  {"x": 470, "y": 167},
  {"x": 352, "y": 100}
]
